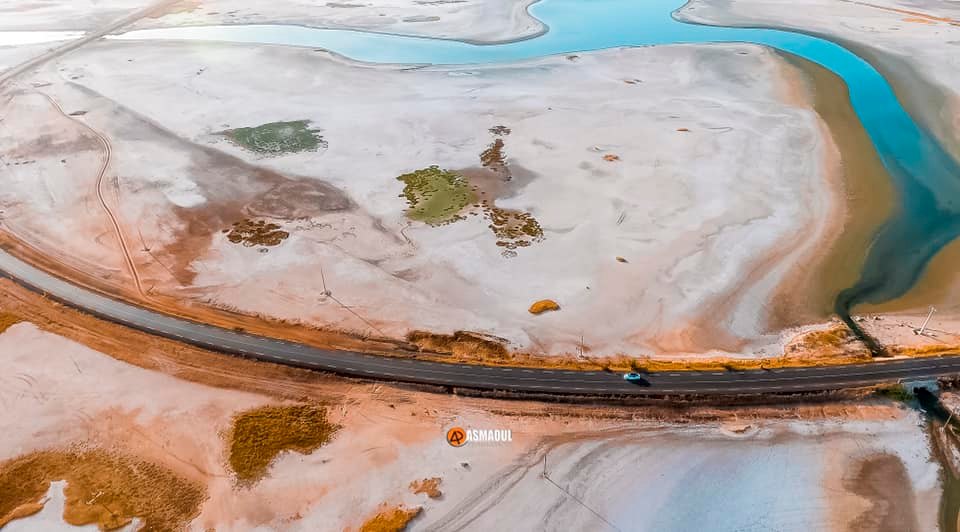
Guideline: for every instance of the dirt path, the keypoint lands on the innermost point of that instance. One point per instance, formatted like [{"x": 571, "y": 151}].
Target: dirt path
[
  {"x": 154, "y": 8},
  {"x": 107, "y": 156}
]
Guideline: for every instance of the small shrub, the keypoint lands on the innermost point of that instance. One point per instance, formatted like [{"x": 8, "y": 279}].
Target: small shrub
[{"x": 896, "y": 392}]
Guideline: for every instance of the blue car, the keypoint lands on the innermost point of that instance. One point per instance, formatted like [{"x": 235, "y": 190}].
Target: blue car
[{"x": 633, "y": 376}]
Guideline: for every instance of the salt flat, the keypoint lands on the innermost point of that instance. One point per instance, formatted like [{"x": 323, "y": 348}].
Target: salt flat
[
  {"x": 13, "y": 55},
  {"x": 703, "y": 167},
  {"x": 42, "y": 15},
  {"x": 485, "y": 21}
]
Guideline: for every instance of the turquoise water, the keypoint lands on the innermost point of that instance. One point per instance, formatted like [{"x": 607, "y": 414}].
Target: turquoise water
[{"x": 927, "y": 178}]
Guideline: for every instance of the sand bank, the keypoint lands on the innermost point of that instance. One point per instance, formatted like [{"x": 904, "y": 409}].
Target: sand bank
[
  {"x": 915, "y": 45},
  {"x": 671, "y": 157},
  {"x": 869, "y": 199}
]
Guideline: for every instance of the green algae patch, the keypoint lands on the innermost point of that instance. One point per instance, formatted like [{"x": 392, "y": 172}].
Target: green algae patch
[
  {"x": 277, "y": 138},
  {"x": 261, "y": 434},
  {"x": 436, "y": 196}
]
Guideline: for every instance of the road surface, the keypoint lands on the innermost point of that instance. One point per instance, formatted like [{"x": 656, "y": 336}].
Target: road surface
[{"x": 537, "y": 381}]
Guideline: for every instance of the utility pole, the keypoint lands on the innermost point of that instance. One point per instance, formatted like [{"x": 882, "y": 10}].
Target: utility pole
[{"x": 925, "y": 322}]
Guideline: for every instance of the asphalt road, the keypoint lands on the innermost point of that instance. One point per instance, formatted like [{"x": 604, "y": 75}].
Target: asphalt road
[{"x": 543, "y": 381}]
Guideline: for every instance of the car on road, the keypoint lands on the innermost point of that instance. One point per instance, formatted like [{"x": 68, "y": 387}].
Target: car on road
[{"x": 635, "y": 378}]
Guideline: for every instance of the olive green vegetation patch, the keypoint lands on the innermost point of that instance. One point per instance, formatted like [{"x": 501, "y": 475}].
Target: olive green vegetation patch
[
  {"x": 436, "y": 196},
  {"x": 278, "y": 137},
  {"x": 261, "y": 434}
]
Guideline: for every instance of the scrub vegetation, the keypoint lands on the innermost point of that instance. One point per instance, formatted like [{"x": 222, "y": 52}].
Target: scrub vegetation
[
  {"x": 256, "y": 233},
  {"x": 102, "y": 488},
  {"x": 461, "y": 344},
  {"x": 477, "y": 348},
  {"x": 494, "y": 158},
  {"x": 278, "y": 138},
  {"x": 391, "y": 520},
  {"x": 924, "y": 350},
  {"x": 261, "y": 434},
  {"x": 436, "y": 196},
  {"x": 8, "y": 320},
  {"x": 897, "y": 392},
  {"x": 513, "y": 229},
  {"x": 838, "y": 340}
]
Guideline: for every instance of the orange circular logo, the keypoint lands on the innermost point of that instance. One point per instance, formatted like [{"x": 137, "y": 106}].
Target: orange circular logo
[{"x": 456, "y": 437}]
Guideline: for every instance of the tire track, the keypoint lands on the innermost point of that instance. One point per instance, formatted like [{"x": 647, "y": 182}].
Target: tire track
[
  {"x": 487, "y": 496},
  {"x": 114, "y": 220}
]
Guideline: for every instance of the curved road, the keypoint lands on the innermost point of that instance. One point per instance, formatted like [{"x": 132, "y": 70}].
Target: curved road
[{"x": 545, "y": 381}]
